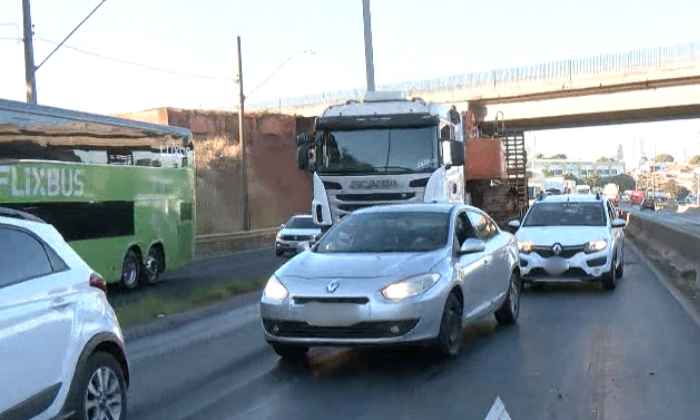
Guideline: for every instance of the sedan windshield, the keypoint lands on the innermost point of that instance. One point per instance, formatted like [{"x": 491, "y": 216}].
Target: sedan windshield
[
  {"x": 301, "y": 223},
  {"x": 566, "y": 214},
  {"x": 387, "y": 232},
  {"x": 380, "y": 150}
]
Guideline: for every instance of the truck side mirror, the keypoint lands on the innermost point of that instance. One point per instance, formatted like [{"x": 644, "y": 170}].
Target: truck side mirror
[{"x": 457, "y": 153}]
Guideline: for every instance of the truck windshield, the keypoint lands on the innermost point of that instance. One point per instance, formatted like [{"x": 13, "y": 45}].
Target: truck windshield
[{"x": 392, "y": 150}]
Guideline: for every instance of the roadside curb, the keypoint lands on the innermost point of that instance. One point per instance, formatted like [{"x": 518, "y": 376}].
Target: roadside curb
[
  {"x": 176, "y": 321},
  {"x": 686, "y": 303}
]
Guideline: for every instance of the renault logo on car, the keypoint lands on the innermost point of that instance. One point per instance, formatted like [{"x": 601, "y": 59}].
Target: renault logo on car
[
  {"x": 556, "y": 249},
  {"x": 332, "y": 286}
]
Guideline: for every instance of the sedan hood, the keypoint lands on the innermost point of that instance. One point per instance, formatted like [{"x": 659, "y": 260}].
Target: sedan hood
[
  {"x": 565, "y": 235},
  {"x": 314, "y": 265}
]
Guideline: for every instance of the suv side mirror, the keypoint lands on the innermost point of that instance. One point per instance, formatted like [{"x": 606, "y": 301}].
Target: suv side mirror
[
  {"x": 514, "y": 225},
  {"x": 282, "y": 226},
  {"x": 472, "y": 246},
  {"x": 618, "y": 223}
]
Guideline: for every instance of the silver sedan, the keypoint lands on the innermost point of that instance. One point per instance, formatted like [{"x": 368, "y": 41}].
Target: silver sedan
[{"x": 402, "y": 274}]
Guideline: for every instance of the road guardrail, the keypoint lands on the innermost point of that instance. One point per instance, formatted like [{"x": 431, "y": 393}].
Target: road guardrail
[{"x": 221, "y": 243}]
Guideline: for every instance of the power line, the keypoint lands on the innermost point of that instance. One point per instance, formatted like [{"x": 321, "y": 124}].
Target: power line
[{"x": 137, "y": 64}]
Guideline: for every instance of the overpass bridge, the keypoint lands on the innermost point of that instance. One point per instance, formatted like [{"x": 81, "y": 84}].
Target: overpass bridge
[{"x": 648, "y": 84}]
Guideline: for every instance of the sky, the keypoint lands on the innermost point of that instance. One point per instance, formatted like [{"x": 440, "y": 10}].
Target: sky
[{"x": 321, "y": 46}]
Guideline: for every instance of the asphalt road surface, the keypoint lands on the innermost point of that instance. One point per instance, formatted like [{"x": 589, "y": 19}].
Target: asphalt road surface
[{"x": 578, "y": 352}]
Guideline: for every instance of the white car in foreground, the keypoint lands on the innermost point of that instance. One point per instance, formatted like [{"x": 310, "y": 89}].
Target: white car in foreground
[
  {"x": 571, "y": 238},
  {"x": 61, "y": 348}
]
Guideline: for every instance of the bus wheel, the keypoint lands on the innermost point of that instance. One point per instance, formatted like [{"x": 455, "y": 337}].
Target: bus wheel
[
  {"x": 131, "y": 269},
  {"x": 155, "y": 264}
]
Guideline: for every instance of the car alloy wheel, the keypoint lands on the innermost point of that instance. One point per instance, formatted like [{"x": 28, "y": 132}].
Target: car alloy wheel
[{"x": 103, "y": 396}]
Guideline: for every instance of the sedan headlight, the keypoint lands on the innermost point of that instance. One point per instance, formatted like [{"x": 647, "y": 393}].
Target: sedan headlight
[
  {"x": 410, "y": 287},
  {"x": 595, "y": 246},
  {"x": 525, "y": 246},
  {"x": 275, "y": 290}
]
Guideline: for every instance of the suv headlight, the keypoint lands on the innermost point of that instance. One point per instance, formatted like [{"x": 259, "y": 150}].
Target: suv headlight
[
  {"x": 525, "y": 246},
  {"x": 595, "y": 246},
  {"x": 410, "y": 287},
  {"x": 275, "y": 290}
]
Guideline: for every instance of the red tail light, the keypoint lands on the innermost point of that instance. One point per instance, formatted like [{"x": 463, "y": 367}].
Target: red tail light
[{"x": 99, "y": 282}]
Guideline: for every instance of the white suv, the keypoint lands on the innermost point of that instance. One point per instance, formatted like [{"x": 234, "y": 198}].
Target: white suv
[
  {"x": 571, "y": 238},
  {"x": 61, "y": 348}
]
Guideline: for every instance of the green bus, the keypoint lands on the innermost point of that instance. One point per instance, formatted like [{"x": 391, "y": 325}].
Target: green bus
[{"x": 121, "y": 192}]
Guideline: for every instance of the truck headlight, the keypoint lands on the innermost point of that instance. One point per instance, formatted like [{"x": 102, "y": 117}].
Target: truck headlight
[
  {"x": 410, "y": 287},
  {"x": 525, "y": 246},
  {"x": 275, "y": 290},
  {"x": 595, "y": 246}
]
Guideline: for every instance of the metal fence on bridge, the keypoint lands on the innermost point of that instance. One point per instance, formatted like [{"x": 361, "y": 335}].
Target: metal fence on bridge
[{"x": 561, "y": 70}]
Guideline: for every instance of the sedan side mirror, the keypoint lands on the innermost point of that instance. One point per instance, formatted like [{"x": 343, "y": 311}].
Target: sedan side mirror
[
  {"x": 514, "y": 224},
  {"x": 618, "y": 223},
  {"x": 472, "y": 246}
]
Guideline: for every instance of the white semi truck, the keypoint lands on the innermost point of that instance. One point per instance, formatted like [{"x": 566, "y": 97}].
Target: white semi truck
[{"x": 385, "y": 149}]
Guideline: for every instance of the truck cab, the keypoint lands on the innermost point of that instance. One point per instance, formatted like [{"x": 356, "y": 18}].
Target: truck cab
[{"x": 385, "y": 149}]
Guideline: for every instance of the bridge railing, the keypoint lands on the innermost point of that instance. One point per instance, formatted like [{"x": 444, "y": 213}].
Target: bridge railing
[{"x": 566, "y": 70}]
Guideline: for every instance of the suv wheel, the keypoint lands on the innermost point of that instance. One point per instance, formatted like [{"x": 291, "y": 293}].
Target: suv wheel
[
  {"x": 621, "y": 268},
  {"x": 100, "y": 391},
  {"x": 610, "y": 278},
  {"x": 510, "y": 309}
]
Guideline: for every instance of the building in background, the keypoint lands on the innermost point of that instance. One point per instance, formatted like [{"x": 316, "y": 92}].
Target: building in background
[{"x": 539, "y": 169}]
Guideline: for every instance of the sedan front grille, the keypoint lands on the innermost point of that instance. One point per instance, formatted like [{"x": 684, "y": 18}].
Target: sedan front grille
[
  {"x": 295, "y": 237},
  {"x": 369, "y": 329},
  {"x": 572, "y": 273},
  {"x": 566, "y": 251}
]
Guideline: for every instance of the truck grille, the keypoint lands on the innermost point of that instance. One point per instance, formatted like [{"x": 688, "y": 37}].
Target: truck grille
[
  {"x": 370, "y": 329},
  {"x": 376, "y": 197}
]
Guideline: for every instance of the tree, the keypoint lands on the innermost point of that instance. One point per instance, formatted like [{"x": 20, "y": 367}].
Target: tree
[
  {"x": 558, "y": 156},
  {"x": 604, "y": 159},
  {"x": 664, "y": 157},
  {"x": 682, "y": 193},
  {"x": 539, "y": 156},
  {"x": 695, "y": 160},
  {"x": 623, "y": 181}
]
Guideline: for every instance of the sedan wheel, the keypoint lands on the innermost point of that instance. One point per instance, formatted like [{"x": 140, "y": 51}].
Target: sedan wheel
[
  {"x": 510, "y": 308},
  {"x": 449, "y": 342}
]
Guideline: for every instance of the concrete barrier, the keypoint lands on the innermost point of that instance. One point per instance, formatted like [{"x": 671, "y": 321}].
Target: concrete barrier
[
  {"x": 224, "y": 243},
  {"x": 678, "y": 249}
]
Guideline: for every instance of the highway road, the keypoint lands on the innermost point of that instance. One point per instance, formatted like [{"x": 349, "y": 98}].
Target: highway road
[
  {"x": 689, "y": 222},
  {"x": 578, "y": 352}
]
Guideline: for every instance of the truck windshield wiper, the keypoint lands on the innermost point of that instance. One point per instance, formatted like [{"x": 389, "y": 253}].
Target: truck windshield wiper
[{"x": 396, "y": 168}]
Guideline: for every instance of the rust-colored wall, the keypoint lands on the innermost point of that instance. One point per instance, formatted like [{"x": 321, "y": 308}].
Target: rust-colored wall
[{"x": 276, "y": 188}]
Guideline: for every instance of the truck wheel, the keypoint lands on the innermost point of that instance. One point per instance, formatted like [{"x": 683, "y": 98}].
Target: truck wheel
[
  {"x": 131, "y": 269},
  {"x": 510, "y": 308}
]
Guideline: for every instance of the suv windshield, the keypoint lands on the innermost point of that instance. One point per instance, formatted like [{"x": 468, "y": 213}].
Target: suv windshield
[
  {"x": 566, "y": 214},
  {"x": 387, "y": 232},
  {"x": 301, "y": 223},
  {"x": 380, "y": 150}
]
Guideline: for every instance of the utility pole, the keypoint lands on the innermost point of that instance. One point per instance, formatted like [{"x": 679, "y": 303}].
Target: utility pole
[
  {"x": 369, "y": 60},
  {"x": 29, "y": 53},
  {"x": 241, "y": 140}
]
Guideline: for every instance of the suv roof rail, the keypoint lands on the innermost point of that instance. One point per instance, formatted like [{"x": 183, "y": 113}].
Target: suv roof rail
[{"x": 17, "y": 214}]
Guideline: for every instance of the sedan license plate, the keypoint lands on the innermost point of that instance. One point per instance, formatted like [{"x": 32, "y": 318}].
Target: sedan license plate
[
  {"x": 556, "y": 265},
  {"x": 334, "y": 314}
]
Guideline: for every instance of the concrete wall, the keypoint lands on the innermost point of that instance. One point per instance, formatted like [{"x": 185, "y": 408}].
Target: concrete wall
[{"x": 276, "y": 188}]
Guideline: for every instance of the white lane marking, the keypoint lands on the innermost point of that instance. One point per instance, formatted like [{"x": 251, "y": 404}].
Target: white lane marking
[{"x": 498, "y": 411}]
